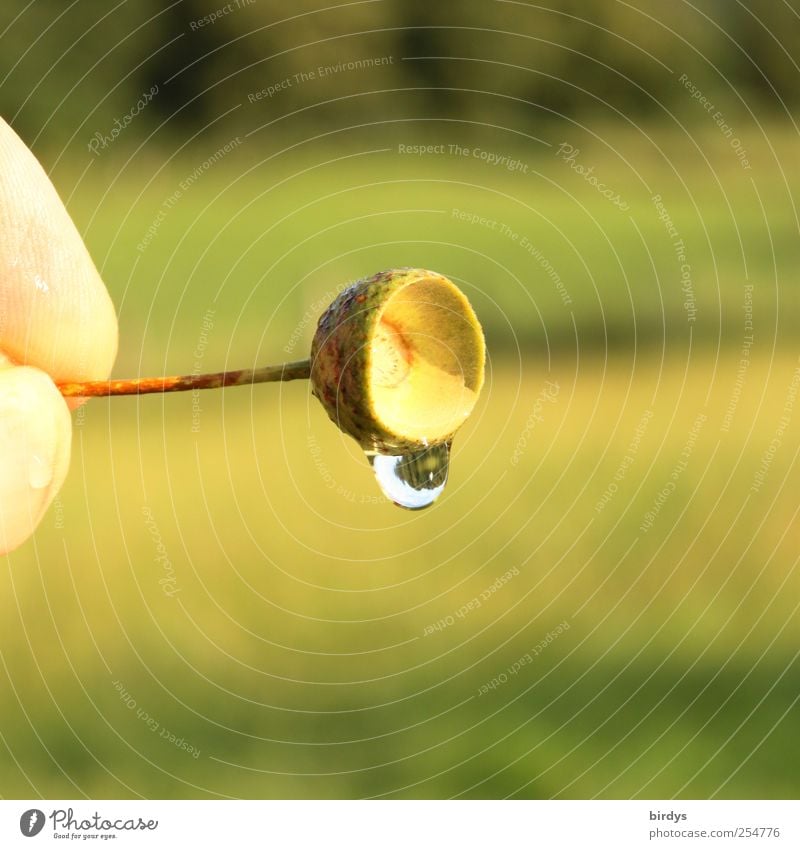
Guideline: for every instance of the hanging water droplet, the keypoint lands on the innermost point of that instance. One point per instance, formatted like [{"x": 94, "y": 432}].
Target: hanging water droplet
[{"x": 413, "y": 480}]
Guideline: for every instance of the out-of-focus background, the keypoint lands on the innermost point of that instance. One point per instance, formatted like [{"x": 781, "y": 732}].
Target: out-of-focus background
[{"x": 604, "y": 602}]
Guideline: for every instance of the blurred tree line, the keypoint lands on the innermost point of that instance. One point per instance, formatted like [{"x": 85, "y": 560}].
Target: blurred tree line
[{"x": 71, "y": 71}]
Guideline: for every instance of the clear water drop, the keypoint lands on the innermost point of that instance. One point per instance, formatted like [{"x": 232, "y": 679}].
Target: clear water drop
[{"x": 413, "y": 480}]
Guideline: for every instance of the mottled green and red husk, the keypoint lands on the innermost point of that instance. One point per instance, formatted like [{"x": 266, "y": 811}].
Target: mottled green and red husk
[{"x": 340, "y": 358}]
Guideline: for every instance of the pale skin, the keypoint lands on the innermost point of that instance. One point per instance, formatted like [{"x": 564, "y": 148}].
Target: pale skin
[{"x": 57, "y": 324}]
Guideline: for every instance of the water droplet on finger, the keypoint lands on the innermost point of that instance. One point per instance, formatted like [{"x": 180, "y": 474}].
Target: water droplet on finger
[{"x": 39, "y": 473}]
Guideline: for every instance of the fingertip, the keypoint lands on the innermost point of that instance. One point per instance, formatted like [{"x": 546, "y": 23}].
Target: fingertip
[
  {"x": 56, "y": 313},
  {"x": 35, "y": 441}
]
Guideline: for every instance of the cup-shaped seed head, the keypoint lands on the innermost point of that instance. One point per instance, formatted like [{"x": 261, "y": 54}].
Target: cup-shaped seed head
[{"x": 397, "y": 360}]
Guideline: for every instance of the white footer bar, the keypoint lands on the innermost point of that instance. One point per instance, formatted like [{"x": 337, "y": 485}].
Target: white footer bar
[{"x": 389, "y": 824}]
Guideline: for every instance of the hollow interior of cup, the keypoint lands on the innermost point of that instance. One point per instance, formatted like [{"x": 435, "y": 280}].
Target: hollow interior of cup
[{"x": 426, "y": 357}]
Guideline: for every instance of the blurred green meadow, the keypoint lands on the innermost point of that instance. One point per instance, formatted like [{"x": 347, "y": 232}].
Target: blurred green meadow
[
  {"x": 268, "y": 233},
  {"x": 221, "y": 603}
]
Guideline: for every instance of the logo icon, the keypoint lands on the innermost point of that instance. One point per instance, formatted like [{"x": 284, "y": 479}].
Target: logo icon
[{"x": 31, "y": 822}]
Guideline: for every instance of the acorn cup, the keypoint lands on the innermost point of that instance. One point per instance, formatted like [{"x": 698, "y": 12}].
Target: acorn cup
[{"x": 397, "y": 362}]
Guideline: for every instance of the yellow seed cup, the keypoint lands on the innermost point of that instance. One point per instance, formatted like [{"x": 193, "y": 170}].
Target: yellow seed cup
[{"x": 398, "y": 360}]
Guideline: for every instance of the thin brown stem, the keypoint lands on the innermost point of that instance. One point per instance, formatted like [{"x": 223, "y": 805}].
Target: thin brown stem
[{"x": 144, "y": 385}]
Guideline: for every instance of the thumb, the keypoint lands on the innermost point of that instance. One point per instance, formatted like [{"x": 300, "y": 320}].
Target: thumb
[{"x": 35, "y": 436}]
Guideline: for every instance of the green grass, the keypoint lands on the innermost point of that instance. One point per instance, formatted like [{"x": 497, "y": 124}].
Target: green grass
[
  {"x": 295, "y": 651},
  {"x": 293, "y": 654},
  {"x": 263, "y": 235}
]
